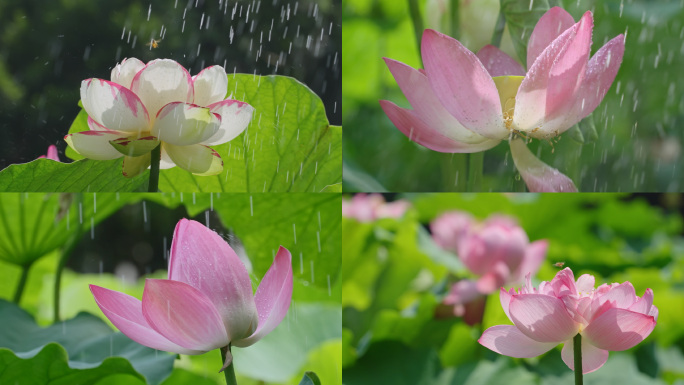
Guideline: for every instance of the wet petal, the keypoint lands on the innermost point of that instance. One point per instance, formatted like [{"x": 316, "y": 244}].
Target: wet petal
[
  {"x": 498, "y": 63},
  {"x": 408, "y": 122},
  {"x": 463, "y": 85},
  {"x": 509, "y": 341},
  {"x": 196, "y": 158},
  {"x": 161, "y": 82},
  {"x": 124, "y": 72},
  {"x": 592, "y": 357},
  {"x": 203, "y": 260},
  {"x": 538, "y": 176},
  {"x": 551, "y": 25},
  {"x": 184, "y": 124},
  {"x": 183, "y": 315},
  {"x": 125, "y": 312},
  {"x": 273, "y": 297},
  {"x": 619, "y": 329},
  {"x": 114, "y": 106},
  {"x": 530, "y": 102},
  {"x": 95, "y": 144},
  {"x": 210, "y": 85},
  {"x": 235, "y": 117},
  {"x": 427, "y": 107},
  {"x": 542, "y": 317}
]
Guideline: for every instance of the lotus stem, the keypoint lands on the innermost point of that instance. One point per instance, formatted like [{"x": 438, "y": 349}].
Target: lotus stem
[
  {"x": 22, "y": 283},
  {"x": 499, "y": 29},
  {"x": 475, "y": 161},
  {"x": 229, "y": 370},
  {"x": 577, "y": 347},
  {"x": 414, "y": 9},
  {"x": 155, "y": 157}
]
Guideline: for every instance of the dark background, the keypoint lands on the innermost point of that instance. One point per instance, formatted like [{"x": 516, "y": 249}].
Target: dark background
[{"x": 48, "y": 47}]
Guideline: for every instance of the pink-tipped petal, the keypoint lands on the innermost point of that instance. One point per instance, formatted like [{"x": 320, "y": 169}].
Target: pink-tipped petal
[
  {"x": 542, "y": 318},
  {"x": 463, "y": 85},
  {"x": 592, "y": 357},
  {"x": 124, "y": 72},
  {"x": 509, "y": 341},
  {"x": 408, "y": 122},
  {"x": 535, "y": 254},
  {"x": 427, "y": 107},
  {"x": 273, "y": 297},
  {"x": 538, "y": 176},
  {"x": 196, "y": 158},
  {"x": 183, "y": 314},
  {"x": 551, "y": 25},
  {"x": 235, "y": 117},
  {"x": 498, "y": 63},
  {"x": 94, "y": 144},
  {"x": 183, "y": 124},
  {"x": 161, "y": 82},
  {"x": 210, "y": 85},
  {"x": 114, "y": 106},
  {"x": 135, "y": 146},
  {"x": 202, "y": 259},
  {"x": 530, "y": 101},
  {"x": 125, "y": 312},
  {"x": 619, "y": 329}
]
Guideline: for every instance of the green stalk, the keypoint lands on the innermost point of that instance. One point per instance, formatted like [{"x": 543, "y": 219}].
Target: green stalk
[
  {"x": 66, "y": 254},
  {"x": 499, "y": 29},
  {"x": 155, "y": 157},
  {"x": 475, "y": 161},
  {"x": 414, "y": 9},
  {"x": 577, "y": 346},
  {"x": 22, "y": 283},
  {"x": 229, "y": 372},
  {"x": 454, "y": 8}
]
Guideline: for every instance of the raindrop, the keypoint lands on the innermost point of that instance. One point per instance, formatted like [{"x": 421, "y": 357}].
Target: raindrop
[
  {"x": 294, "y": 231},
  {"x": 144, "y": 212},
  {"x": 251, "y": 206}
]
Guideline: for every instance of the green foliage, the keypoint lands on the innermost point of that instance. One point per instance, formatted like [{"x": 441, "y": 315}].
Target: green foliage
[
  {"x": 86, "y": 175},
  {"x": 85, "y": 340},
  {"x": 310, "y": 378},
  {"x": 32, "y": 225}
]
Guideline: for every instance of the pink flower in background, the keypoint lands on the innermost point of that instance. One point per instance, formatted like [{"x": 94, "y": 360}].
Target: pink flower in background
[
  {"x": 464, "y": 102},
  {"x": 159, "y": 102},
  {"x": 498, "y": 251},
  {"x": 207, "y": 302},
  {"x": 51, "y": 153},
  {"x": 369, "y": 207},
  {"x": 609, "y": 318}
]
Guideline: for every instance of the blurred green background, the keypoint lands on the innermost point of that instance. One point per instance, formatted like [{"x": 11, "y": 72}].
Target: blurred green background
[
  {"x": 639, "y": 143},
  {"x": 394, "y": 278},
  {"x": 48, "y": 47},
  {"x": 125, "y": 238}
]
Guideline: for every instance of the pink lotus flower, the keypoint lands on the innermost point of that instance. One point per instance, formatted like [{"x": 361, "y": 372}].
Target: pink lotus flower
[
  {"x": 497, "y": 250},
  {"x": 158, "y": 102},
  {"x": 51, "y": 153},
  {"x": 464, "y": 102},
  {"x": 610, "y": 317},
  {"x": 369, "y": 207},
  {"x": 206, "y": 303}
]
